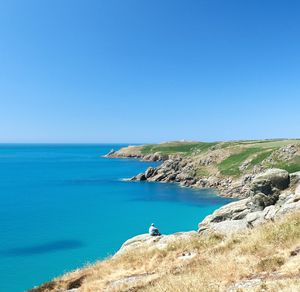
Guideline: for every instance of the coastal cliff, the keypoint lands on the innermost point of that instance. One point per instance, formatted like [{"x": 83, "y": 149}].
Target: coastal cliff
[
  {"x": 252, "y": 244},
  {"x": 228, "y": 167}
]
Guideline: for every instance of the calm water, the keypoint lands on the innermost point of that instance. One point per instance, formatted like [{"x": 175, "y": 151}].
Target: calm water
[{"x": 63, "y": 206}]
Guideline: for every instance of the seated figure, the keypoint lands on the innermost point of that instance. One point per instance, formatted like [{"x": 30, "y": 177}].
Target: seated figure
[{"x": 153, "y": 231}]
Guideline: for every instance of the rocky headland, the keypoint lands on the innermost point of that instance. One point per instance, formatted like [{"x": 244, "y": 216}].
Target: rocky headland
[{"x": 228, "y": 167}]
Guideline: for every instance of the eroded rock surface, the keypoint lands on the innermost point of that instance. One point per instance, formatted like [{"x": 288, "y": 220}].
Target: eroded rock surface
[
  {"x": 147, "y": 241},
  {"x": 270, "y": 197}
]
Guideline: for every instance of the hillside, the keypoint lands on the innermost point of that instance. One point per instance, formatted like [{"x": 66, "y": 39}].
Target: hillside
[
  {"x": 266, "y": 258},
  {"x": 226, "y": 166}
]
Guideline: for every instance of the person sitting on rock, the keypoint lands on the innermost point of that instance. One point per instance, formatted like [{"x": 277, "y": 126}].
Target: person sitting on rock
[{"x": 153, "y": 231}]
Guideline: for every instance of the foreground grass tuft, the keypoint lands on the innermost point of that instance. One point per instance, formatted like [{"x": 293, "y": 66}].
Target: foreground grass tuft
[{"x": 270, "y": 264}]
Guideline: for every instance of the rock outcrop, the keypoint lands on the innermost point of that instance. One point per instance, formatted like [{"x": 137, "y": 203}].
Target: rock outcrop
[
  {"x": 149, "y": 242},
  {"x": 285, "y": 153},
  {"x": 200, "y": 169},
  {"x": 136, "y": 152},
  {"x": 273, "y": 178},
  {"x": 180, "y": 170},
  {"x": 111, "y": 153},
  {"x": 272, "y": 194}
]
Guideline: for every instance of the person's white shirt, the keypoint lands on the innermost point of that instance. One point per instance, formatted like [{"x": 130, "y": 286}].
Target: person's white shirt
[{"x": 153, "y": 230}]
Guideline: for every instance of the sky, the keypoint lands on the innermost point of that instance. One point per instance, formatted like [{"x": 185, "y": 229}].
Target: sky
[{"x": 140, "y": 71}]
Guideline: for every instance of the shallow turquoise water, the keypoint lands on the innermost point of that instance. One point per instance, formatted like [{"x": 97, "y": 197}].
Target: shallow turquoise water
[{"x": 63, "y": 206}]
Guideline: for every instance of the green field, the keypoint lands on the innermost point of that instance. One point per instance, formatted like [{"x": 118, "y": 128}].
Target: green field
[
  {"x": 255, "y": 151},
  {"x": 177, "y": 147}
]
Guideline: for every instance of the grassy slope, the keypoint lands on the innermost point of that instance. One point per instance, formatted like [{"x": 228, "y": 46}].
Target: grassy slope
[
  {"x": 230, "y": 166},
  {"x": 177, "y": 147},
  {"x": 263, "y": 252},
  {"x": 290, "y": 166},
  {"x": 257, "y": 151},
  {"x": 240, "y": 151}
]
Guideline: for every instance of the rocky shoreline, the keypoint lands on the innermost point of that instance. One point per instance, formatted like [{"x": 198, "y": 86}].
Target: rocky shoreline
[
  {"x": 176, "y": 169},
  {"x": 272, "y": 194},
  {"x": 181, "y": 169},
  {"x": 264, "y": 196}
]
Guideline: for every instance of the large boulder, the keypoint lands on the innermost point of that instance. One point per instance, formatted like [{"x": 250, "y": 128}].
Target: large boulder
[
  {"x": 261, "y": 185},
  {"x": 264, "y": 200},
  {"x": 226, "y": 227},
  {"x": 234, "y": 211},
  {"x": 265, "y": 187},
  {"x": 272, "y": 178}
]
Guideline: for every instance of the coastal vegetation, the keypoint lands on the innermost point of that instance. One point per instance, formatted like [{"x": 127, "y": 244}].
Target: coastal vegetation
[
  {"x": 231, "y": 165},
  {"x": 290, "y": 166},
  {"x": 226, "y": 166},
  {"x": 232, "y": 154},
  {"x": 187, "y": 148}
]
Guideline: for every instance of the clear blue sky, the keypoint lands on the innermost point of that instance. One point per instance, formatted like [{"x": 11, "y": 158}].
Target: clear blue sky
[{"x": 149, "y": 71}]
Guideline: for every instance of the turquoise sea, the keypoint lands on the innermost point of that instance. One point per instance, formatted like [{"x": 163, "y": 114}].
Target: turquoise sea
[{"x": 63, "y": 206}]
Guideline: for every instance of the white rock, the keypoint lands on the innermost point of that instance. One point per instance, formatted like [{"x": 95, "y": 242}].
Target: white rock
[
  {"x": 159, "y": 242},
  {"x": 297, "y": 191},
  {"x": 226, "y": 227},
  {"x": 295, "y": 178},
  {"x": 255, "y": 218},
  {"x": 270, "y": 212},
  {"x": 286, "y": 208}
]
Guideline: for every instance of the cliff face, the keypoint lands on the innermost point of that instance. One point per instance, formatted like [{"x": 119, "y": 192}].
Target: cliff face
[{"x": 228, "y": 167}]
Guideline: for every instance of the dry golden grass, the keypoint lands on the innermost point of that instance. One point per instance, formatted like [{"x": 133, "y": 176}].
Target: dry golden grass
[{"x": 260, "y": 256}]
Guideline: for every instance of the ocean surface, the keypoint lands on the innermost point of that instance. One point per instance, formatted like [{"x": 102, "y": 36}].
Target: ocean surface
[{"x": 63, "y": 206}]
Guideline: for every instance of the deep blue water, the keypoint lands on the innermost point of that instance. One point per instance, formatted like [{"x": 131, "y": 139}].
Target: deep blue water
[{"x": 63, "y": 206}]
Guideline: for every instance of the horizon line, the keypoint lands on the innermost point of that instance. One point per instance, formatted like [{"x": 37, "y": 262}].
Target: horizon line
[{"x": 166, "y": 141}]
